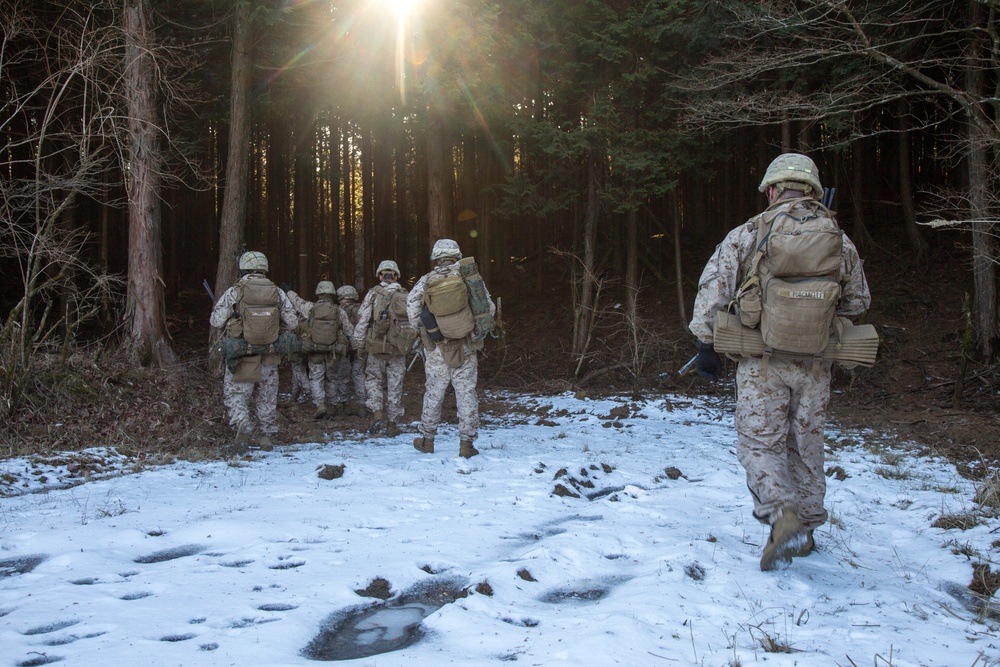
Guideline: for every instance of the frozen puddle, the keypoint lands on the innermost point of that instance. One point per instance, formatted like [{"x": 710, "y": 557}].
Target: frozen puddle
[{"x": 370, "y": 630}]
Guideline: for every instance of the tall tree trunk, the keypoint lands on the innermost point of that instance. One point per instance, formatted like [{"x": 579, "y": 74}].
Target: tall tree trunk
[
  {"x": 631, "y": 264},
  {"x": 983, "y": 261},
  {"x": 383, "y": 218},
  {"x": 355, "y": 247},
  {"x": 303, "y": 211},
  {"x": 917, "y": 241},
  {"x": 675, "y": 206},
  {"x": 234, "y": 204},
  {"x": 983, "y": 250},
  {"x": 340, "y": 254},
  {"x": 144, "y": 308},
  {"x": 439, "y": 178},
  {"x": 859, "y": 234},
  {"x": 587, "y": 282},
  {"x": 405, "y": 244},
  {"x": 373, "y": 251}
]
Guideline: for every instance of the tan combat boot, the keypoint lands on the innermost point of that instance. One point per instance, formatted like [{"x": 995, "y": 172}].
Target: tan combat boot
[
  {"x": 466, "y": 449},
  {"x": 242, "y": 441},
  {"x": 378, "y": 417},
  {"x": 787, "y": 537},
  {"x": 807, "y": 547},
  {"x": 424, "y": 445},
  {"x": 391, "y": 430},
  {"x": 321, "y": 411}
]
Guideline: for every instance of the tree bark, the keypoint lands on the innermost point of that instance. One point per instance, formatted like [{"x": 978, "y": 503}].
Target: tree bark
[
  {"x": 585, "y": 307},
  {"x": 678, "y": 254},
  {"x": 439, "y": 180},
  {"x": 234, "y": 205},
  {"x": 903, "y": 138},
  {"x": 983, "y": 264},
  {"x": 980, "y": 212},
  {"x": 859, "y": 233},
  {"x": 144, "y": 309},
  {"x": 632, "y": 265}
]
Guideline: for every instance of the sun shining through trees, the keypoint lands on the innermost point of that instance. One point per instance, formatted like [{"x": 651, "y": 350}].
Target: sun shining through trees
[{"x": 402, "y": 11}]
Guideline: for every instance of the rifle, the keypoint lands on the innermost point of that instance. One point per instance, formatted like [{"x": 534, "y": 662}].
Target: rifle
[
  {"x": 828, "y": 195},
  {"x": 686, "y": 367},
  {"x": 418, "y": 353},
  {"x": 211, "y": 294}
]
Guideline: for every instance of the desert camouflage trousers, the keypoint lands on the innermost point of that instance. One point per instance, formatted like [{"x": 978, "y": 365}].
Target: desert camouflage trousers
[
  {"x": 350, "y": 379},
  {"x": 322, "y": 379},
  {"x": 300, "y": 377},
  {"x": 385, "y": 371},
  {"x": 464, "y": 378},
  {"x": 236, "y": 397},
  {"x": 780, "y": 419}
]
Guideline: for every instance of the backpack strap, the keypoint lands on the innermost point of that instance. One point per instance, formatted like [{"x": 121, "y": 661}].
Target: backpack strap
[{"x": 752, "y": 278}]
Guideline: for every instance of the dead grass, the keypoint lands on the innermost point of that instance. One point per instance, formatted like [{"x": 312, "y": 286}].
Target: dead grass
[{"x": 100, "y": 399}]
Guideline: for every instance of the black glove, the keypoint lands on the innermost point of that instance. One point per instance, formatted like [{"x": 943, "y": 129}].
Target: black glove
[
  {"x": 709, "y": 364},
  {"x": 286, "y": 287}
]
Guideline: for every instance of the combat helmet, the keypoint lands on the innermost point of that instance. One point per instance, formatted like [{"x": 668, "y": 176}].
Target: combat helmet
[
  {"x": 445, "y": 248},
  {"x": 387, "y": 265},
  {"x": 253, "y": 261},
  {"x": 325, "y": 287},
  {"x": 792, "y": 168},
  {"x": 347, "y": 292}
]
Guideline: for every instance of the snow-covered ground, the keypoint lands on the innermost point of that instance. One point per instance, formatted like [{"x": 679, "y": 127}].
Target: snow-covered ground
[{"x": 655, "y": 563}]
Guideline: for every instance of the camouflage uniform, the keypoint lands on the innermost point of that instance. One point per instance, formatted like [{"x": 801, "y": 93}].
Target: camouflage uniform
[
  {"x": 299, "y": 366},
  {"x": 381, "y": 370},
  {"x": 350, "y": 374},
  {"x": 300, "y": 378},
  {"x": 780, "y": 414},
  {"x": 237, "y": 395},
  {"x": 439, "y": 374},
  {"x": 322, "y": 366}
]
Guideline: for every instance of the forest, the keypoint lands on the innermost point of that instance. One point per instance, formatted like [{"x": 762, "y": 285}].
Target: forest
[{"x": 591, "y": 152}]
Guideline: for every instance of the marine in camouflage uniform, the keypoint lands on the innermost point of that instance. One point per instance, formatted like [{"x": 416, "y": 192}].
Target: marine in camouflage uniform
[
  {"x": 350, "y": 375},
  {"x": 780, "y": 411},
  {"x": 381, "y": 370},
  {"x": 322, "y": 366},
  {"x": 438, "y": 373},
  {"x": 238, "y": 393}
]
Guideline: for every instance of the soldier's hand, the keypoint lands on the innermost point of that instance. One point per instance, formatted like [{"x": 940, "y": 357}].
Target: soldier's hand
[{"x": 709, "y": 364}]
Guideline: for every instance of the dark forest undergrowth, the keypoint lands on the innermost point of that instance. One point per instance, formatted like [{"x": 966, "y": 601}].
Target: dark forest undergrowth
[{"x": 914, "y": 392}]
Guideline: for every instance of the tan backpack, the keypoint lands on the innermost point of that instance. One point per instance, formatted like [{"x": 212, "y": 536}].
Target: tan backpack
[
  {"x": 322, "y": 327},
  {"x": 447, "y": 297},
  {"x": 390, "y": 332},
  {"x": 260, "y": 310},
  {"x": 792, "y": 284}
]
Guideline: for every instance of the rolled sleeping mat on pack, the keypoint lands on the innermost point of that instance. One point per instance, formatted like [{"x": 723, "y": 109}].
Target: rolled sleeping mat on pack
[
  {"x": 233, "y": 349},
  {"x": 479, "y": 302},
  {"x": 849, "y": 345},
  {"x": 430, "y": 325}
]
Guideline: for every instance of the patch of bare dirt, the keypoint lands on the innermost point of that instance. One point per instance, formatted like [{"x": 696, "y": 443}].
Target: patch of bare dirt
[{"x": 924, "y": 387}]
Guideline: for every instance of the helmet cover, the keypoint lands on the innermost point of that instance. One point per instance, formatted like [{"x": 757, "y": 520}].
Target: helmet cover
[
  {"x": 792, "y": 167},
  {"x": 253, "y": 261},
  {"x": 445, "y": 248},
  {"x": 347, "y": 292},
  {"x": 387, "y": 265}
]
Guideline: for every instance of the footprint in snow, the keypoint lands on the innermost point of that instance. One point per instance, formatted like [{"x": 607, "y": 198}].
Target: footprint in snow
[
  {"x": 170, "y": 554},
  {"x": 20, "y": 565}
]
